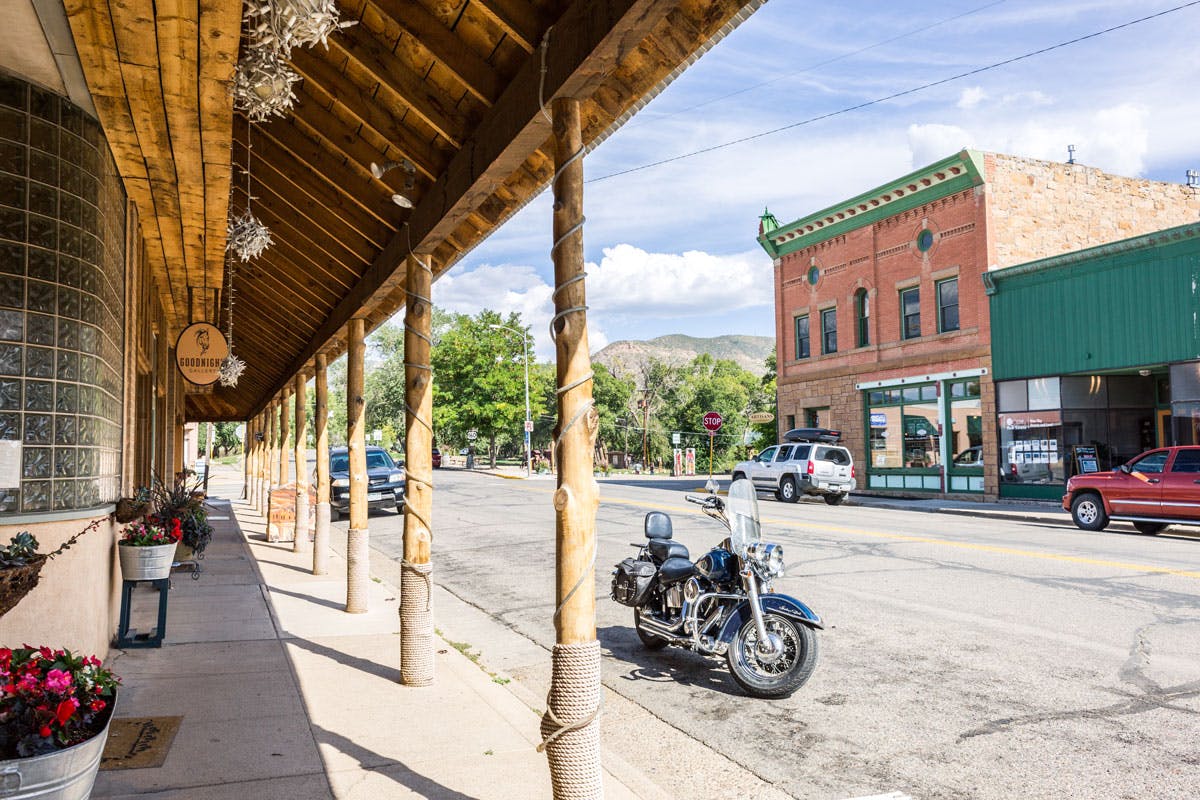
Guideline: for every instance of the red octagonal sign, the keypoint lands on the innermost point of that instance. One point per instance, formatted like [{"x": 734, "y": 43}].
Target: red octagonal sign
[{"x": 712, "y": 422}]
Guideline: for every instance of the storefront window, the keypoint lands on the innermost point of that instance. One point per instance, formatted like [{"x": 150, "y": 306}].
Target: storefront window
[
  {"x": 966, "y": 425},
  {"x": 1185, "y": 422},
  {"x": 904, "y": 435},
  {"x": 1030, "y": 447}
]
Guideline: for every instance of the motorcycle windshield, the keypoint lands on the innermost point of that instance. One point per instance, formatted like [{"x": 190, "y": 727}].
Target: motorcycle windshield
[{"x": 742, "y": 511}]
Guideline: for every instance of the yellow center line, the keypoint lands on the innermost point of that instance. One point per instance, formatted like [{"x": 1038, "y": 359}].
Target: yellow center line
[{"x": 901, "y": 537}]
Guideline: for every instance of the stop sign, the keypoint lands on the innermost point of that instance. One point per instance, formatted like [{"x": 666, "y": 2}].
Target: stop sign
[{"x": 712, "y": 422}]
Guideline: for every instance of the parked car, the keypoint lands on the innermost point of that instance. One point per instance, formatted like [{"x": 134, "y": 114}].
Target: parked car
[
  {"x": 1158, "y": 488},
  {"x": 808, "y": 461},
  {"x": 385, "y": 481},
  {"x": 437, "y": 458},
  {"x": 971, "y": 457}
]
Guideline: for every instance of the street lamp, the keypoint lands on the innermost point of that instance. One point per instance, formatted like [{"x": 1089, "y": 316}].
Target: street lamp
[{"x": 528, "y": 418}]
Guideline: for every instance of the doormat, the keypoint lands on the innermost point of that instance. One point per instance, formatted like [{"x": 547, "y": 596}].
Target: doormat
[{"x": 138, "y": 742}]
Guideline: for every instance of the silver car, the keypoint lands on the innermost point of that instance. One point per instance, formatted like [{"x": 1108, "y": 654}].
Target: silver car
[{"x": 807, "y": 462}]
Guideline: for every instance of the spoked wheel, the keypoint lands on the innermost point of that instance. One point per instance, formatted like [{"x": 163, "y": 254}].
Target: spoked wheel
[
  {"x": 780, "y": 671},
  {"x": 649, "y": 641},
  {"x": 787, "y": 492}
]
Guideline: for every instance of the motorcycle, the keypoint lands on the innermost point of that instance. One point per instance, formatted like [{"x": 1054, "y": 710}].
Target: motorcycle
[{"x": 723, "y": 603}]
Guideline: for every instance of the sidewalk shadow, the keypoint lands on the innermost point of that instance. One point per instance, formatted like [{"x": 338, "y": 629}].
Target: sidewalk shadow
[
  {"x": 336, "y": 606},
  {"x": 669, "y": 665},
  {"x": 396, "y": 771},
  {"x": 366, "y": 665}
]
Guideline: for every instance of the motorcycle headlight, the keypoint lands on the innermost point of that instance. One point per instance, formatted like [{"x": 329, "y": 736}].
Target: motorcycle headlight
[{"x": 768, "y": 558}]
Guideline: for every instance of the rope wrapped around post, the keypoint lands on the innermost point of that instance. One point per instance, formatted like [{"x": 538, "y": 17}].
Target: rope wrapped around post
[
  {"x": 571, "y": 725},
  {"x": 416, "y": 622},
  {"x": 357, "y": 566}
]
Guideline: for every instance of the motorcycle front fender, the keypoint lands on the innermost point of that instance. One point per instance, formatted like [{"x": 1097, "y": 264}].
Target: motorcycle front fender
[{"x": 780, "y": 604}]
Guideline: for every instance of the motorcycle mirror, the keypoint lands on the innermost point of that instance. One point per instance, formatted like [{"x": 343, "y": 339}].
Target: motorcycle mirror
[{"x": 711, "y": 487}]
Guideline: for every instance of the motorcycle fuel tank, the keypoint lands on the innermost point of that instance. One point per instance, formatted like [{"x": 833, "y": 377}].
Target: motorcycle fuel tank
[{"x": 717, "y": 565}]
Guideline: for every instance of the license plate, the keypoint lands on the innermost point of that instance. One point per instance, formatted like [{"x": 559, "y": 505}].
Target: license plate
[{"x": 374, "y": 496}]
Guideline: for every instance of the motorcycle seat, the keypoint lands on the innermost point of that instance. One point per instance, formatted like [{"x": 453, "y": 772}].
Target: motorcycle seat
[
  {"x": 658, "y": 525},
  {"x": 674, "y": 570},
  {"x": 663, "y": 549}
]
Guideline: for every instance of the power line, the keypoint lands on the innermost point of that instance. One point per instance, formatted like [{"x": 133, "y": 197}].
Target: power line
[
  {"x": 819, "y": 64},
  {"x": 894, "y": 95}
]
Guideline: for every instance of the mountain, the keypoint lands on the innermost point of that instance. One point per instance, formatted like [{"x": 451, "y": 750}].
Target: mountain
[{"x": 626, "y": 357}]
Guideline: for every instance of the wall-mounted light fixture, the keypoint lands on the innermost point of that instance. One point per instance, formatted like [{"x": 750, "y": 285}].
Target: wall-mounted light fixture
[{"x": 404, "y": 200}]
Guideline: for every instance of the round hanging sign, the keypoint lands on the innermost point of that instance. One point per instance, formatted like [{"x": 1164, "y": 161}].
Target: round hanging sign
[{"x": 199, "y": 351}]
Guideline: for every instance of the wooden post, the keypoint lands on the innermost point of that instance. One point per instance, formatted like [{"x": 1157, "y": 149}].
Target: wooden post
[
  {"x": 321, "y": 420},
  {"x": 574, "y": 702},
  {"x": 284, "y": 430},
  {"x": 208, "y": 445},
  {"x": 357, "y": 541},
  {"x": 416, "y": 601},
  {"x": 301, "y": 544},
  {"x": 248, "y": 458},
  {"x": 263, "y": 458},
  {"x": 272, "y": 462}
]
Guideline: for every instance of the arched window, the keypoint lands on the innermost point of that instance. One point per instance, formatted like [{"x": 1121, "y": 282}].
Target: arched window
[{"x": 862, "y": 317}]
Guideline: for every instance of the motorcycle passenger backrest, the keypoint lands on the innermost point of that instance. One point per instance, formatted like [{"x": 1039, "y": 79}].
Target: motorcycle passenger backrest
[{"x": 658, "y": 525}]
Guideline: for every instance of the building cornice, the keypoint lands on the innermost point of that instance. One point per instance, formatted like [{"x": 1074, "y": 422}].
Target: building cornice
[
  {"x": 1145, "y": 241},
  {"x": 941, "y": 179}
]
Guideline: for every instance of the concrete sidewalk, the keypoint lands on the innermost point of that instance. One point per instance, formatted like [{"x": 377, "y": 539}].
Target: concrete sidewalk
[{"x": 283, "y": 695}]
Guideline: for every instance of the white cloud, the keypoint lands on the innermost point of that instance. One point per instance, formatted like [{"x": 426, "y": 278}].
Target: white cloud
[
  {"x": 1114, "y": 139},
  {"x": 971, "y": 97},
  {"x": 929, "y": 143},
  {"x": 632, "y": 282}
]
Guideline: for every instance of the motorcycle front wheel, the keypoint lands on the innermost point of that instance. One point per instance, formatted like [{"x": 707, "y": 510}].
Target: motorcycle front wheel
[{"x": 774, "y": 675}]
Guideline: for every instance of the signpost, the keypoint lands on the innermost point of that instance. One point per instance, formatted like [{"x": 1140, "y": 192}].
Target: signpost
[{"x": 712, "y": 423}]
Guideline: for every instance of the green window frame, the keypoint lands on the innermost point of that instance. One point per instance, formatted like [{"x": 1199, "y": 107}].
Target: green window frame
[
  {"x": 910, "y": 312},
  {"x": 947, "y": 297},
  {"x": 800, "y": 327},
  {"x": 862, "y": 317},
  {"x": 829, "y": 330}
]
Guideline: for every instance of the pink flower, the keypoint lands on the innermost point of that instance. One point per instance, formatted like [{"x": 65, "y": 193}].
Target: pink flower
[
  {"x": 28, "y": 683},
  {"x": 58, "y": 680}
]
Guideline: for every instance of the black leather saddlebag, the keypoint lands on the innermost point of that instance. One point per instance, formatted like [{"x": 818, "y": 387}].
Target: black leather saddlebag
[{"x": 631, "y": 581}]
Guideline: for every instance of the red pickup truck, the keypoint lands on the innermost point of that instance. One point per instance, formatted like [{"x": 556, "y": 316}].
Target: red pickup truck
[{"x": 1158, "y": 488}]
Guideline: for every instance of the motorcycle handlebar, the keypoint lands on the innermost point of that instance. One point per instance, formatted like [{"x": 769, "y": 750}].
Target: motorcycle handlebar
[{"x": 708, "y": 501}]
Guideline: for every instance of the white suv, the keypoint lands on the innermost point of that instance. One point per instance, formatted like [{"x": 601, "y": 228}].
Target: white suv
[{"x": 808, "y": 461}]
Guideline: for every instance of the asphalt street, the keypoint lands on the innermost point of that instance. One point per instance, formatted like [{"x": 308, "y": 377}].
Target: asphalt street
[{"x": 962, "y": 657}]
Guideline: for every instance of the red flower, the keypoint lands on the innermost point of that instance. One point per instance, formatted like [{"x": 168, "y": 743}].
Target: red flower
[
  {"x": 65, "y": 710},
  {"x": 44, "y": 731},
  {"x": 176, "y": 530},
  {"x": 98, "y": 704}
]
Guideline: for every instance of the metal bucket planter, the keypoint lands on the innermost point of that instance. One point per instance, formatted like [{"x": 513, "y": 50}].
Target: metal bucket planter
[
  {"x": 145, "y": 563},
  {"x": 62, "y": 775}
]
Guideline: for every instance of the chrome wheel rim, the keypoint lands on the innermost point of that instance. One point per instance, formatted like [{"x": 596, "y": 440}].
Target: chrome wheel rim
[
  {"x": 1086, "y": 511},
  {"x": 777, "y": 663}
]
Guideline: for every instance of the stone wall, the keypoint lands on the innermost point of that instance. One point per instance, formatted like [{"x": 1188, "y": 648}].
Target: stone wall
[{"x": 1038, "y": 209}]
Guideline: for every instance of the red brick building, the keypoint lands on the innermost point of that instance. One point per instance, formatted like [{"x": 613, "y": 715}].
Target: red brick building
[{"x": 881, "y": 316}]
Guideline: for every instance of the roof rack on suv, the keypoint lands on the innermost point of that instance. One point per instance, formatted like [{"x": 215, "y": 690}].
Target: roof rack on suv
[{"x": 813, "y": 435}]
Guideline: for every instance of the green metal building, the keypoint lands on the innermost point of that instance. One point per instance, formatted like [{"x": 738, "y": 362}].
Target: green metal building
[{"x": 1098, "y": 348}]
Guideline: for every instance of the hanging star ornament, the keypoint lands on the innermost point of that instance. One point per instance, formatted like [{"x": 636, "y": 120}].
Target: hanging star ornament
[
  {"x": 231, "y": 369},
  {"x": 262, "y": 83},
  {"x": 248, "y": 237}
]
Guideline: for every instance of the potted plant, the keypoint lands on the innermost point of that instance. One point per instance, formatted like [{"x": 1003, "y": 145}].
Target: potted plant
[
  {"x": 184, "y": 500},
  {"x": 147, "y": 549},
  {"x": 135, "y": 507},
  {"x": 21, "y": 565},
  {"x": 55, "y": 708}
]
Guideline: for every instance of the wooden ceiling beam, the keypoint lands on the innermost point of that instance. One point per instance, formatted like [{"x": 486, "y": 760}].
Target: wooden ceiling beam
[
  {"x": 219, "y": 35},
  {"x": 282, "y": 268},
  {"x": 340, "y": 221},
  {"x": 516, "y": 18},
  {"x": 596, "y": 34},
  {"x": 332, "y": 273},
  {"x": 399, "y": 79},
  {"x": 369, "y": 112},
  {"x": 352, "y": 253},
  {"x": 476, "y": 75},
  {"x": 308, "y": 178}
]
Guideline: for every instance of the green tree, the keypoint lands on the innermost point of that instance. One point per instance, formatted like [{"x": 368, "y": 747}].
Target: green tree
[
  {"x": 384, "y": 385},
  {"x": 479, "y": 381}
]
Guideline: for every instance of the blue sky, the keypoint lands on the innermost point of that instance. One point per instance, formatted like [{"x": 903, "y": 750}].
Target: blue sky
[{"x": 671, "y": 249}]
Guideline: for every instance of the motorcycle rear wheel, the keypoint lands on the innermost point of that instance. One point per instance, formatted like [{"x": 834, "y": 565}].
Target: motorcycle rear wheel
[
  {"x": 649, "y": 640},
  {"x": 773, "y": 678}
]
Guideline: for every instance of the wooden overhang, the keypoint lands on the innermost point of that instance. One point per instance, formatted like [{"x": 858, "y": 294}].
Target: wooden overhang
[{"x": 455, "y": 87}]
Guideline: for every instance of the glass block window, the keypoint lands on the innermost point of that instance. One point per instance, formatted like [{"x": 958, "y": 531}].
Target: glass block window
[{"x": 62, "y": 303}]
